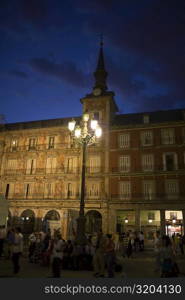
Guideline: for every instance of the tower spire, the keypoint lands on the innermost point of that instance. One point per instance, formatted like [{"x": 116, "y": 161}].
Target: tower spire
[{"x": 100, "y": 74}]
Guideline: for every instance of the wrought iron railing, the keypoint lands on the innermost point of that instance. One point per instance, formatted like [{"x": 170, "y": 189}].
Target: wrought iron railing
[{"x": 44, "y": 171}]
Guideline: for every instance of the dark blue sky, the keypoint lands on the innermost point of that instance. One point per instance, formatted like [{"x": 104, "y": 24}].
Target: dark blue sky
[{"x": 49, "y": 48}]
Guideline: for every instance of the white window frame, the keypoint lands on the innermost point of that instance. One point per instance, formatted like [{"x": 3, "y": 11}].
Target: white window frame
[
  {"x": 172, "y": 195},
  {"x": 94, "y": 164},
  {"x": 51, "y": 163},
  {"x": 149, "y": 192},
  {"x": 145, "y": 159},
  {"x": 93, "y": 190},
  {"x": 124, "y": 163},
  {"x": 125, "y": 192},
  {"x": 144, "y": 138},
  {"x": 124, "y": 140},
  {"x": 168, "y": 136}
]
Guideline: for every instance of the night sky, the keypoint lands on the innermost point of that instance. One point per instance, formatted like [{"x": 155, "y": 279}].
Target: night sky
[{"x": 49, "y": 49}]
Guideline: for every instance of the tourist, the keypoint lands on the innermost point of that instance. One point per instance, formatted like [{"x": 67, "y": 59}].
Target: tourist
[
  {"x": 141, "y": 241},
  {"x": 168, "y": 264},
  {"x": 110, "y": 255},
  {"x": 17, "y": 249},
  {"x": 99, "y": 256},
  {"x": 2, "y": 239},
  {"x": 57, "y": 246}
]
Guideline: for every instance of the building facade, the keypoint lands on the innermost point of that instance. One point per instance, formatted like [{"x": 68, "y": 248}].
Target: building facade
[{"x": 135, "y": 175}]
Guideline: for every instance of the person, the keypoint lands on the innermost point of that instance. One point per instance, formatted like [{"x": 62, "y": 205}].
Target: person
[
  {"x": 157, "y": 245},
  {"x": 181, "y": 245},
  {"x": 99, "y": 259},
  {"x": 2, "y": 239},
  {"x": 9, "y": 240},
  {"x": 125, "y": 237},
  {"x": 141, "y": 241},
  {"x": 168, "y": 264},
  {"x": 119, "y": 259},
  {"x": 17, "y": 249},
  {"x": 32, "y": 242},
  {"x": 57, "y": 246},
  {"x": 110, "y": 255}
]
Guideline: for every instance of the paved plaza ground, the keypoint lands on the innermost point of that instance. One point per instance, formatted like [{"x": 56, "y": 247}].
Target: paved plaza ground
[{"x": 141, "y": 265}]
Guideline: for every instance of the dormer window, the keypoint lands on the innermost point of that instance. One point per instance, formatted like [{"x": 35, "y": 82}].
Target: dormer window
[{"x": 146, "y": 119}]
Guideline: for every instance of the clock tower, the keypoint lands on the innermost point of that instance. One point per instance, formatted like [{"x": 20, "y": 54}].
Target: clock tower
[{"x": 100, "y": 103}]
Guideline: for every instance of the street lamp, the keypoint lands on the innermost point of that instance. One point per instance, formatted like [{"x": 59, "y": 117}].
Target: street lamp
[{"x": 84, "y": 134}]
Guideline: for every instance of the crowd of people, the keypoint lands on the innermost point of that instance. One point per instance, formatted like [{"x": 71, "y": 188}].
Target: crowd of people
[{"x": 103, "y": 254}]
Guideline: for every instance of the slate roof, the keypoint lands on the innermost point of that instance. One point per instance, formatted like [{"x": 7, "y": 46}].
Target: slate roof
[{"x": 162, "y": 116}]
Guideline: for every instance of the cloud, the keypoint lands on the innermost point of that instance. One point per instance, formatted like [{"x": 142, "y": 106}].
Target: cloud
[
  {"x": 67, "y": 71},
  {"x": 18, "y": 74}
]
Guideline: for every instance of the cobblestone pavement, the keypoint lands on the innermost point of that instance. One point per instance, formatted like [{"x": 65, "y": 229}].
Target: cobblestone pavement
[{"x": 141, "y": 265}]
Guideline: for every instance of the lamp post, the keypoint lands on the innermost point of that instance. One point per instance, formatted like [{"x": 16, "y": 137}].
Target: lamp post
[{"x": 84, "y": 134}]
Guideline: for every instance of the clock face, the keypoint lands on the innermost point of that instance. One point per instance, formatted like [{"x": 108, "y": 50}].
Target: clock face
[{"x": 97, "y": 92}]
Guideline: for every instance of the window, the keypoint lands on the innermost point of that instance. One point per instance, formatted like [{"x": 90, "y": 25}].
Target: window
[
  {"x": 51, "y": 142},
  {"x": 32, "y": 144},
  {"x": 49, "y": 190},
  {"x": 147, "y": 162},
  {"x": 51, "y": 165},
  {"x": 11, "y": 166},
  {"x": 148, "y": 189},
  {"x": 167, "y": 136},
  {"x": 70, "y": 190},
  {"x": 93, "y": 190},
  {"x": 151, "y": 216},
  {"x": 124, "y": 163},
  {"x": 72, "y": 165},
  {"x": 31, "y": 166},
  {"x": 173, "y": 215},
  {"x": 170, "y": 161},
  {"x": 94, "y": 164},
  {"x": 172, "y": 188},
  {"x": 147, "y": 138},
  {"x": 125, "y": 190},
  {"x": 124, "y": 140},
  {"x": 14, "y": 144},
  {"x": 146, "y": 119}
]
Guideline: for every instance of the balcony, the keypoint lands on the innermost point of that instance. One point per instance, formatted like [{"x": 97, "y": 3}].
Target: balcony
[
  {"x": 155, "y": 169},
  {"x": 48, "y": 171},
  {"x": 151, "y": 198},
  {"x": 39, "y": 147}
]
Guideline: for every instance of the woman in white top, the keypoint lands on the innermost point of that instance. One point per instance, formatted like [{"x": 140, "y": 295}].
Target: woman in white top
[{"x": 57, "y": 247}]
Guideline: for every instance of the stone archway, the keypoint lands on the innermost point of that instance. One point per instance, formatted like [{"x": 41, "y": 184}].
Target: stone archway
[
  {"x": 93, "y": 221},
  {"x": 52, "y": 221},
  {"x": 27, "y": 221}
]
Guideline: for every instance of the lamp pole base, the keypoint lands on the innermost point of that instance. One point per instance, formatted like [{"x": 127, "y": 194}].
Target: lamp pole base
[{"x": 81, "y": 237}]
